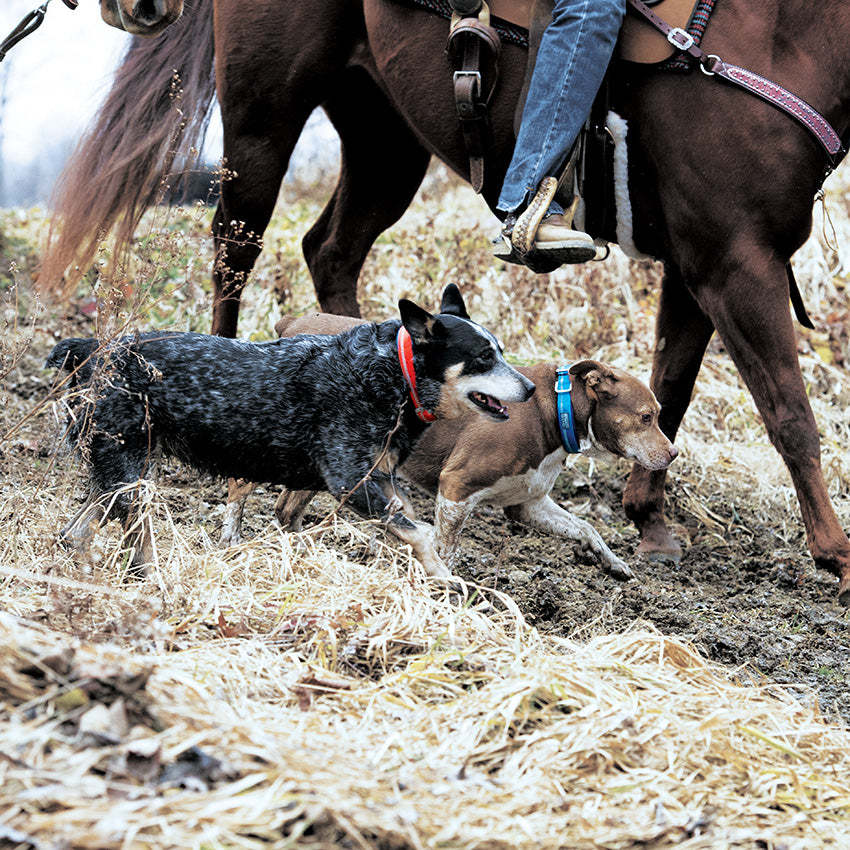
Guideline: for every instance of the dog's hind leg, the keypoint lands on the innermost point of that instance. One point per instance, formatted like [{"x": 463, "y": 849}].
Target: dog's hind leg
[
  {"x": 118, "y": 466},
  {"x": 138, "y": 531},
  {"x": 290, "y": 507},
  {"x": 238, "y": 490},
  {"x": 546, "y": 515},
  {"x": 77, "y": 534}
]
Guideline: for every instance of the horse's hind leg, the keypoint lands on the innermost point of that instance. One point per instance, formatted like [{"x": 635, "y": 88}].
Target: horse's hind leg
[
  {"x": 382, "y": 167},
  {"x": 751, "y": 313},
  {"x": 255, "y": 166},
  {"x": 682, "y": 333},
  {"x": 274, "y": 66}
]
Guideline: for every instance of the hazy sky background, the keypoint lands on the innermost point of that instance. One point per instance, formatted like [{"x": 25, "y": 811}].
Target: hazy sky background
[{"x": 53, "y": 82}]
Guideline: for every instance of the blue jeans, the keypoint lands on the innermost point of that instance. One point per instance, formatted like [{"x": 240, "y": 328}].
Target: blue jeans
[{"x": 571, "y": 62}]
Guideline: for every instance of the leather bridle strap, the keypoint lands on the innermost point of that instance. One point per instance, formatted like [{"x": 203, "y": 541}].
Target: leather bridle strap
[
  {"x": 766, "y": 89},
  {"x": 30, "y": 23}
]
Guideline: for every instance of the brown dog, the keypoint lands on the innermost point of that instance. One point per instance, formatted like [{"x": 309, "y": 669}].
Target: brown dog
[{"x": 512, "y": 465}]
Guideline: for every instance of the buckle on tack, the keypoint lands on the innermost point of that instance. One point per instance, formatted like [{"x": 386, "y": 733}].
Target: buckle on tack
[
  {"x": 680, "y": 39},
  {"x": 566, "y": 422}
]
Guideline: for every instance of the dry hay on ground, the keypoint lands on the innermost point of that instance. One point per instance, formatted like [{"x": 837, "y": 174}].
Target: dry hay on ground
[{"x": 305, "y": 699}]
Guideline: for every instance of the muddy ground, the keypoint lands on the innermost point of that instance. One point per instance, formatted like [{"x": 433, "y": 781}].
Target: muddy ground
[{"x": 746, "y": 604}]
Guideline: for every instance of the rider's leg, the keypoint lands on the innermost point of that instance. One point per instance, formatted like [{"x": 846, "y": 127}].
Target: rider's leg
[{"x": 571, "y": 63}]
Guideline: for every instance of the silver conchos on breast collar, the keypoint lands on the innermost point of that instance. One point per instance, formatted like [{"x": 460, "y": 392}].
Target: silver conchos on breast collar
[
  {"x": 566, "y": 422},
  {"x": 405, "y": 357}
]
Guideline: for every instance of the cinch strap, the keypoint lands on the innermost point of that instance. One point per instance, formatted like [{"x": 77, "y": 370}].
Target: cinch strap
[
  {"x": 405, "y": 358},
  {"x": 566, "y": 422}
]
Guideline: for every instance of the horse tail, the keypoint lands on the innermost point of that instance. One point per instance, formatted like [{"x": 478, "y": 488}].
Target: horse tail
[{"x": 156, "y": 112}]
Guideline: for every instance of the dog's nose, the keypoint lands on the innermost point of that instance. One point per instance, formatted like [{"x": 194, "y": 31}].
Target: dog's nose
[{"x": 673, "y": 452}]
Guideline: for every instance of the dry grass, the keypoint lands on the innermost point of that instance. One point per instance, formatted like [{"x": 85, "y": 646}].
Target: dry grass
[
  {"x": 314, "y": 690},
  {"x": 336, "y": 702}
]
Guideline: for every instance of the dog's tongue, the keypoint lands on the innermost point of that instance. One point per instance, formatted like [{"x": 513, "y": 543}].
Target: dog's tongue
[{"x": 492, "y": 404}]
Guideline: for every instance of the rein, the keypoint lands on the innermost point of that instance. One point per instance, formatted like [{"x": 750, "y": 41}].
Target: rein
[
  {"x": 769, "y": 91},
  {"x": 566, "y": 420},
  {"x": 29, "y": 24},
  {"x": 405, "y": 358}
]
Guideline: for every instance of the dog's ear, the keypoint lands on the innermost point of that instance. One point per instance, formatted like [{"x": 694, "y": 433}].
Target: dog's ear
[
  {"x": 420, "y": 324},
  {"x": 452, "y": 302},
  {"x": 598, "y": 379}
]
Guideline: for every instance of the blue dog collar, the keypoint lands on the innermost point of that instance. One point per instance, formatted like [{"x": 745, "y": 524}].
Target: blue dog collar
[{"x": 565, "y": 411}]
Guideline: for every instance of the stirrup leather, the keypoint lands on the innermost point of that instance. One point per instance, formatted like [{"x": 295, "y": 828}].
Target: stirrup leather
[{"x": 473, "y": 47}]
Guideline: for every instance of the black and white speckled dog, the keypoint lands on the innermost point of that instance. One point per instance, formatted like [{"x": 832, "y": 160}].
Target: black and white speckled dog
[{"x": 336, "y": 413}]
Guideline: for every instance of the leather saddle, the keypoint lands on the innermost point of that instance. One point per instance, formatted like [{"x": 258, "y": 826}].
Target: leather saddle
[
  {"x": 638, "y": 42},
  {"x": 474, "y": 45}
]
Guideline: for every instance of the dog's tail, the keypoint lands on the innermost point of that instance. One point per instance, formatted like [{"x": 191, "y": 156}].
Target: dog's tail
[{"x": 74, "y": 356}]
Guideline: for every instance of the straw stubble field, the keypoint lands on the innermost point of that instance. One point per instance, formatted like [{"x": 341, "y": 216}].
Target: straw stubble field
[{"x": 314, "y": 690}]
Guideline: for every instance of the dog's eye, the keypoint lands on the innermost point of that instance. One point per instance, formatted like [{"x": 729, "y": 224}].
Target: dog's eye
[
  {"x": 486, "y": 357},
  {"x": 646, "y": 418}
]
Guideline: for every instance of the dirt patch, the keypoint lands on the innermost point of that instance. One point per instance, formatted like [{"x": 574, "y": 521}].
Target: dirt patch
[{"x": 742, "y": 601}]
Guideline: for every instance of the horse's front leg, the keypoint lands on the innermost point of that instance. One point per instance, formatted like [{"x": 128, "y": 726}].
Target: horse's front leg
[
  {"x": 751, "y": 312},
  {"x": 682, "y": 332}
]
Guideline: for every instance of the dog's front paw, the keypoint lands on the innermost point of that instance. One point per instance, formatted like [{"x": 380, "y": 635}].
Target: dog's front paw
[
  {"x": 435, "y": 567},
  {"x": 619, "y": 569}
]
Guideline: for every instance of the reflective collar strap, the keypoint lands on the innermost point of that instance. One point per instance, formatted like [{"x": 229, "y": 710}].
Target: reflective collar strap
[
  {"x": 405, "y": 358},
  {"x": 565, "y": 411}
]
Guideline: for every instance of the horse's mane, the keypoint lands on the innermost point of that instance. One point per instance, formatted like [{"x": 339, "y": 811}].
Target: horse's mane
[{"x": 115, "y": 174}]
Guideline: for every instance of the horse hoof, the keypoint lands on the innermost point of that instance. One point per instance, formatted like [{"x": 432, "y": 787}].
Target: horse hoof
[
  {"x": 659, "y": 545},
  {"x": 844, "y": 591}
]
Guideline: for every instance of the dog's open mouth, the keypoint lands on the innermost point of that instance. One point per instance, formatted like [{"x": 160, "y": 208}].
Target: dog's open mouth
[{"x": 489, "y": 405}]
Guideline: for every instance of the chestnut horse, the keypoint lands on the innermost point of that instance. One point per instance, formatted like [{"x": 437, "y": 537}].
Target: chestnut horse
[{"x": 721, "y": 183}]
